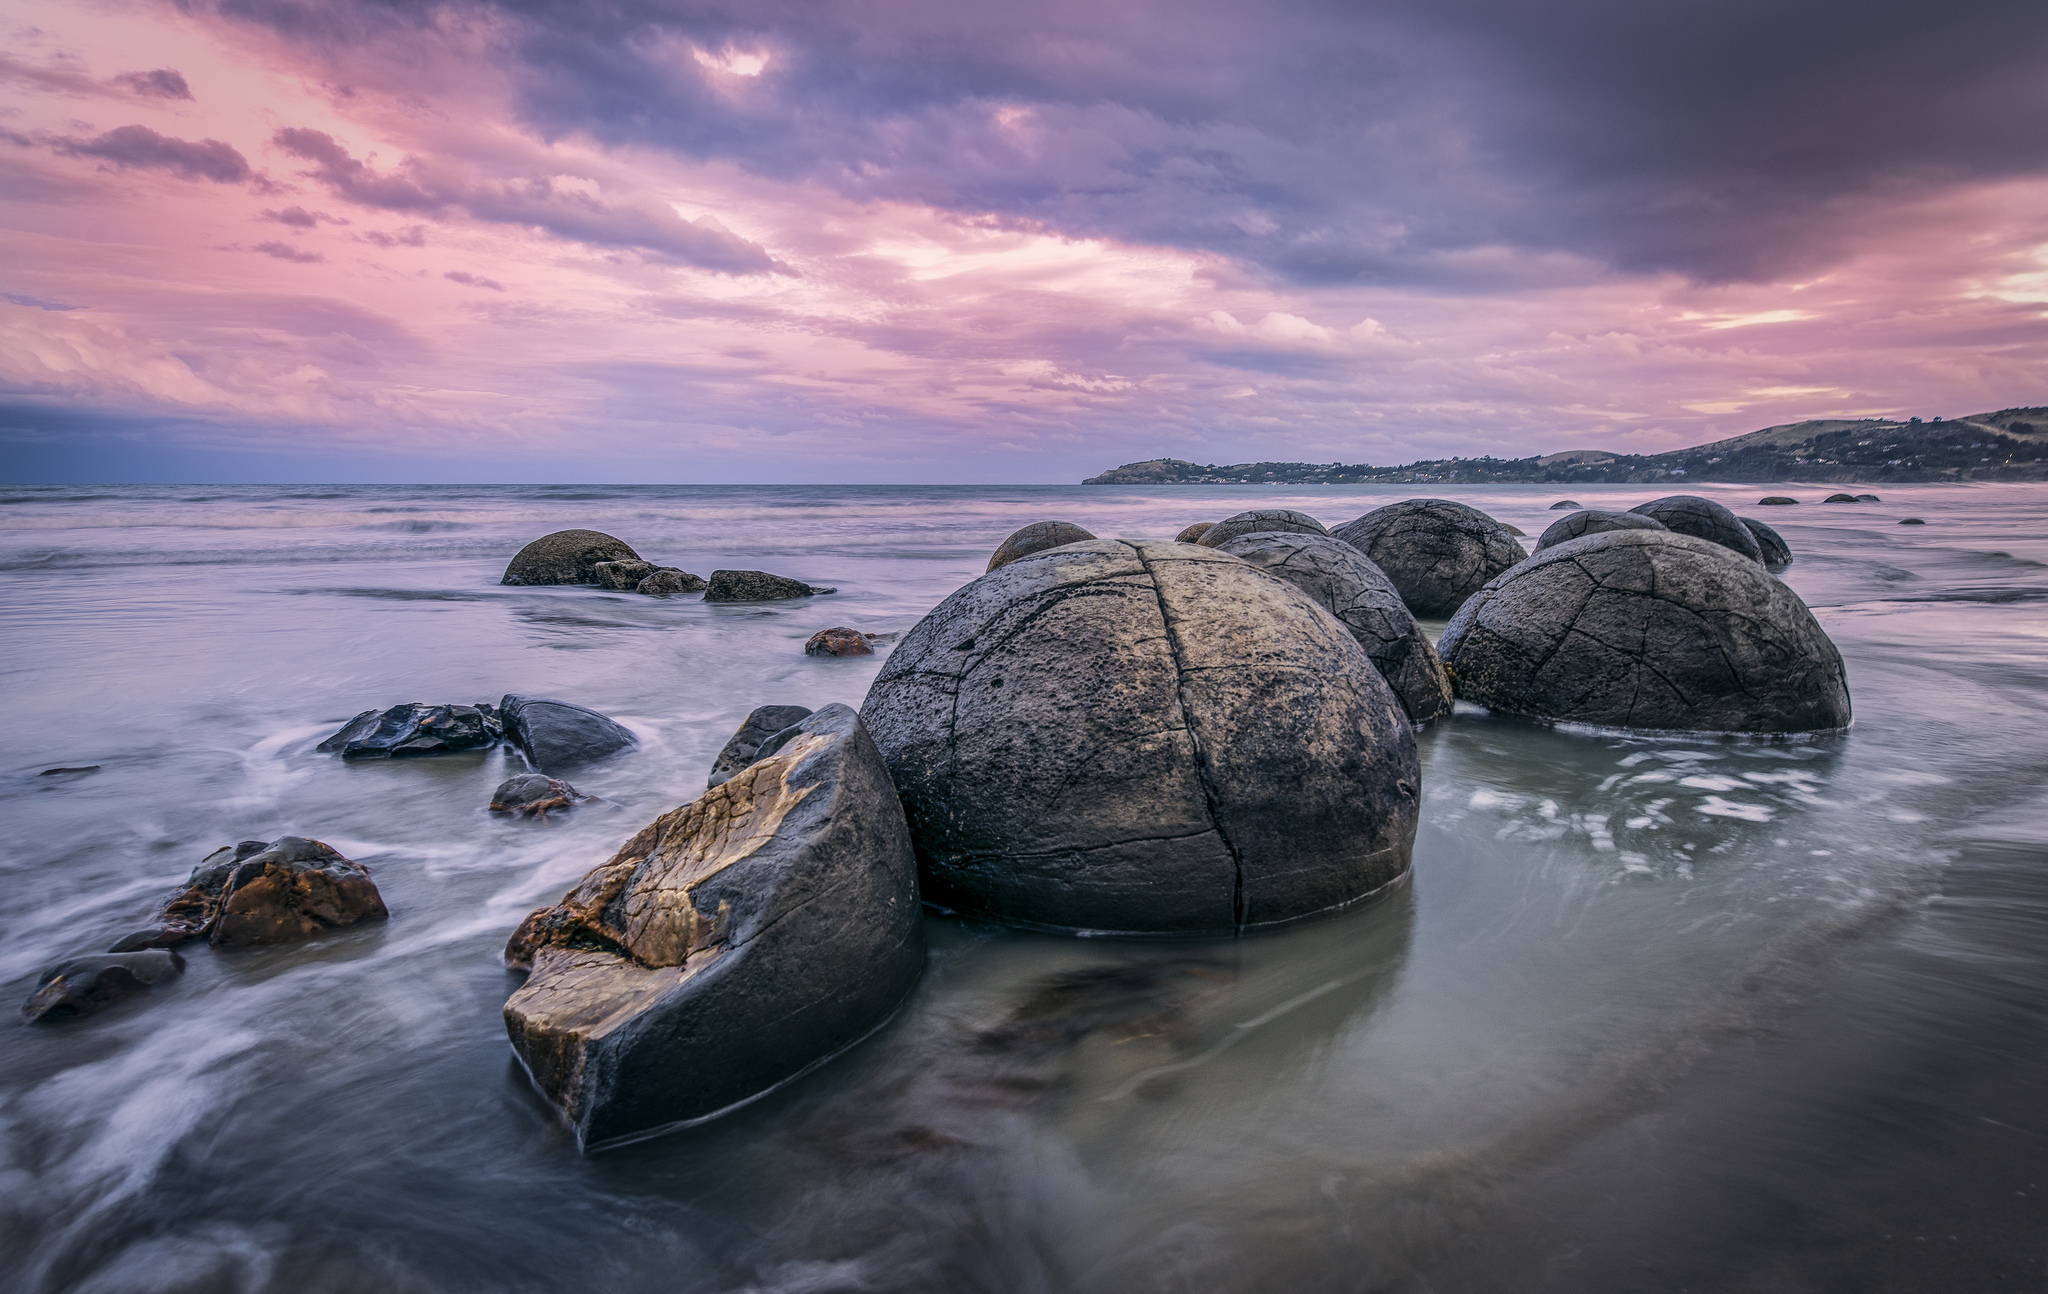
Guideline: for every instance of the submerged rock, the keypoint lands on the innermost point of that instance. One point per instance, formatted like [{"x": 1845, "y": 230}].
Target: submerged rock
[
  {"x": 1637, "y": 629},
  {"x": 85, "y": 985},
  {"x": 566, "y": 557},
  {"x": 757, "y": 586},
  {"x": 1868, "y": 498},
  {"x": 1193, "y": 534},
  {"x": 414, "y": 728},
  {"x": 1912, "y": 521},
  {"x": 1144, "y": 737},
  {"x": 1592, "y": 523},
  {"x": 1437, "y": 553},
  {"x": 552, "y": 733},
  {"x": 1036, "y": 538},
  {"x": 728, "y": 946},
  {"x": 839, "y": 641},
  {"x": 1776, "y": 501},
  {"x": 535, "y": 795},
  {"x": 744, "y": 747},
  {"x": 1689, "y": 514},
  {"x": 1841, "y": 498},
  {"x": 1566, "y": 505},
  {"x": 254, "y": 893},
  {"x": 1261, "y": 521},
  {"x": 667, "y": 581},
  {"x": 1777, "y": 554},
  {"x": 1344, "y": 582}
]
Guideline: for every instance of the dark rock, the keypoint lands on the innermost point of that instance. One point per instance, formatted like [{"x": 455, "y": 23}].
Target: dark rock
[
  {"x": 622, "y": 576},
  {"x": 1912, "y": 521},
  {"x": 1566, "y": 505},
  {"x": 1144, "y": 737},
  {"x": 1193, "y": 534},
  {"x": 729, "y": 946},
  {"x": 1343, "y": 581},
  {"x": 1438, "y": 553},
  {"x": 79, "y": 768},
  {"x": 566, "y": 557},
  {"x": 85, "y": 985},
  {"x": 839, "y": 641},
  {"x": 1841, "y": 498},
  {"x": 1593, "y": 523},
  {"x": 757, "y": 586},
  {"x": 255, "y": 893},
  {"x": 535, "y": 795},
  {"x": 669, "y": 581},
  {"x": 1260, "y": 521},
  {"x": 745, "y": 745},
  {"x": 1036, "y": 538},
  {"x": 1776, "y": 552},
  {"x": 552, "y": 733},
  {"x": 1868, "y": 498},
  {"x": 416, "y": 728},
  {"x": 1636, "y": 629},
  {"x": 1775, "y": 501},
  {"x": 1689, "y": 514}
]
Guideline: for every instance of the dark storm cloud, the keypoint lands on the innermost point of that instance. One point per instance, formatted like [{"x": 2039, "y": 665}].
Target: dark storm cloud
[
  {"x": 1329, "y": 142},
  {"x": 139, "y": 147}
]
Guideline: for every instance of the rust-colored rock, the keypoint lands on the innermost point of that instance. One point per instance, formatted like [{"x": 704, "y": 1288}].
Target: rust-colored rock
[
  {"x": 839, "y": 641},
  {"x": 251, "y": 894}
]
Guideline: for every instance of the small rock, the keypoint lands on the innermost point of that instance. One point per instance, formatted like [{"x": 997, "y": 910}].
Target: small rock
[
  {"x": 1566, "y": 505},
  {"x": 551, "y": 733},
  {"x": 1775, "y": 501},
  {"x": 744, "y": 747},
  {"x": 536, "y": 795},
  {"x": 1841, "y": 498},
  {"x": 1193, "y": 534},
  {"x": 622, "y": 576},
  {"x": 1689, "y": 514},
  {"x": 85, "y": 985},
  {"x": 757, "y": 586},
  {"x": 1593, "y": 522},
  {"x": 254, "y": 893},
  {"x": 1260, "y": 521},
  {"x": 81, "y": 768},
  {"x": 1912, "y": 521},
  {"x": 1036, "y": 538},
  {"x": 1777, "y": 553},
  {"x": 839, "y": 641},
  {"x": 669, "y": 581},
  {"x": 1868, "y": 498},
  {"x": 566, "y": 557},
  {"x": 415, "y": 728}
]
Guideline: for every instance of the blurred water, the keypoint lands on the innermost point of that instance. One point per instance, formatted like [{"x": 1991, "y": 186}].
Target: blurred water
[{"x": 1586, "y": 1033}]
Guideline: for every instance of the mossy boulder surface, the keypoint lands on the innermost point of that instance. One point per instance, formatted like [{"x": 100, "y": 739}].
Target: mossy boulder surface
[
  {"x": 566, "y": 557},
  {"x": 1437, "y": 552}
]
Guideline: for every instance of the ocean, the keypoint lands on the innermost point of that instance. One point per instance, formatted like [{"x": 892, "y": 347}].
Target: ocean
[{"x": 1655, "y": 1013}]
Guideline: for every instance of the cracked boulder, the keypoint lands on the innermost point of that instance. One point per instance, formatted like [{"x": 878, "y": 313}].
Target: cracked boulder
[
  {"x": 730, "y": 945},
  {"x": 1036, "y": 538},
  {"x": 1689, "y": 514},
  {"x": 1285, "y": 521},
  {"x": 1641, "y": 629},
  {"x": 553, "y": 733},
  {"x": 88, "y": 985},
  {"x": 744, "y": 746},
  {"x": 257, "y": 892},
  {"x": 1144, "y": 737},
  {"x": 1777, "y": 554},
  {"x": 1437, "y": 553},
  {"x": 1340, "y": 579},
  {"x": 1193, "y": 534},
  {"x": 566, "y": 557},
  {"x": 1592, "y": 522},
  {"x": 414, "y": 728}
]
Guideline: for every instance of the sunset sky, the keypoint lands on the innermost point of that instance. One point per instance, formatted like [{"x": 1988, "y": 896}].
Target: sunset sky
[{"x": 907, "y": 240}]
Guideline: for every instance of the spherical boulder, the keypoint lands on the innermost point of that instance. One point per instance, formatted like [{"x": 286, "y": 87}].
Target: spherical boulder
[
  {"x": 1566, "y": 505},
  {"x": 1913, "y": 521},
  {"x": 1593, "y": 523},
  {"x": 1437, "y": 553},
  {"x": 1841, "y": 498},
  {"x": 1689, "y": 514},
  {"x": 1777, "y": 554},
  {"x": 1144, "y": 737},
  {"x": 1642, "y": 629},
  {"x": 1868, "y": 498},
  {"x": 1193, "y": 534},
  {"x": 1261, "y": 521},
  {"x": 566, "y": 557},
  {"x": 1343, "y": 581},
  {"x": 1036, "y": 538},
  {"x": 1776, "y": 501}
]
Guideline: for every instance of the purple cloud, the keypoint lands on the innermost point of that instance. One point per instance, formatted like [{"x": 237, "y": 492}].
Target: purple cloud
[
  {"x": 410, "y": 236},
  {"x": 163, "y": 83},
  {"x": 467, "y": 279},
  {"x": 23, "y": 299},
  {"x": 300, "y": 218},
  {"x": 287, "y": 252},
  {"x": 140, "y": 148}
]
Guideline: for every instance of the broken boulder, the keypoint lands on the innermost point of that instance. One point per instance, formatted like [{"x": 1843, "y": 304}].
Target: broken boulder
[
  {"x": 415, "y": 728},
  {"x": 744, "y": 747},
  {"x": 757, "y": 586}
]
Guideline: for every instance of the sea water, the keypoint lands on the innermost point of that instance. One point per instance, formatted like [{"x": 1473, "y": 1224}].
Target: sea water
[{"x": 1654, "y": 1012}]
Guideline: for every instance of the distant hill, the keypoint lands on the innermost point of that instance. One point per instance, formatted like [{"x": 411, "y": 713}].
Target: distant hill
[{"x": 2009, "y": 445}]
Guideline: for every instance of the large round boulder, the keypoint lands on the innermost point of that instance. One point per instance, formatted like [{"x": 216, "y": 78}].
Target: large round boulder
[
  {"x": 1776, "y": 552},
  {"x": 1592, "y": 522},
  {"x": 1144, "y": 737},
  {"x": 566, "y": 557},
  {"x": 1437, "y": 553},
  {"x": 1261, "y": 521},
  {"x": 1642, "y": 629},
  {"x": 1344, "y": 582},
  {"x": 1689, "y": 514},
  {"x": 1036, "y": 538},
  {"x": 1193, "y": 534}
]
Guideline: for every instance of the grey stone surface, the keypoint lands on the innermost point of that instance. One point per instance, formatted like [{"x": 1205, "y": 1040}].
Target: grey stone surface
[
  {"x": 1913, "y": 521},
  {"x": 1566, "y": 505},
  {"x": 1343, "y": 581},
  {"x": 1868, "y": 498},
  {"x": 744, "y": 747},
  {"x": 1193, "y": 534},
  {"x": 667, "y": 581},
  {"x": 87, "y": 985},
  {"x": 1592, "y": 522},
  {"x": 1261, "y": 521},
  {"x": 1689, "y": 514},
  {"x": 1841, "y": 498},
  {"x": 1036, "y": 538},
  {"x": 1147, "y": 737},
  {"x": 414, "y": 728},
  {"x": 1437, "y": 552},
  {"x": 757, "y": 586},
  {"x": 1776, "y": 501},
  {"x": 535, "y": 795},
  {"x": 1637, "y": 629},
  {"x": 552, "y": 733},
  {"x": 622, "y": 576},
  {"x": 566, "y": 557},
  {"x": 728, "y": 946},
  {"x": 1777, "y": 554}
]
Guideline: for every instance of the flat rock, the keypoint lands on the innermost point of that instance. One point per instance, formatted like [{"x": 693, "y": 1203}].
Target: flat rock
[
  {"x": 668, "y": 581},
  {"x": 621, "y": 576},
  {"x": 1437, "y": 552},
  {"x": 1776, "y": 501},
  {"x": 839, "y": 641},
  {"x": 744, "y": 747},
  {"x": 257, "y": 892},
  {"x": 1261, "y": 521},
  {"x": 414, "y": 728},
  {"x": 1689, "y": 514},
  {"x": 1592, "y": 522},
  {"x": 566, "y": 557},
  {"x": 1777, "y": 554},
  {"x": 535, "y": 795},
  {"x": 757, "y": 586},
  {"x": 1566, "y": 505},
  {"x": 1144, "y": 737},
  {"x": 1036, "y": 538},
  {"x": 728, "y": 946},
  {"x": 1343, "y": 581},
  {"x": 1193, "y": 534},
  {"x": 1637, "y": 629},
  {"x": 552, "y": 733},
  {"x": 85, "y": 985}
]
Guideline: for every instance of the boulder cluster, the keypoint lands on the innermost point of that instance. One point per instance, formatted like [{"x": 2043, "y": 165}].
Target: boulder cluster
[{"x": 591, "y": 557}]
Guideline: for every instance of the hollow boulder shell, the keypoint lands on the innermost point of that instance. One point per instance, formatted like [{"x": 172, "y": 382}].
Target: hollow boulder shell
[
  {"x": 1261, "y": 521},
  {"x": 1591, "y": 521},
  {"x": 566, "y": 557},
  {"x": 1642, "y": 629},
  {"x": 1344, "y": 582},
  {"x": 1689, "y": 514},
  {"x": 1036, "y": 538},
  {"x": 1144, "y": 737},
  {"x": 1437, "y": 552},
  {"x": 730, "y": 945}
]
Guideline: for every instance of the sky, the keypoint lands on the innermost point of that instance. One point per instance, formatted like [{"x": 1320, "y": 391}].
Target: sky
[{"x": 925, "y": 241}]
